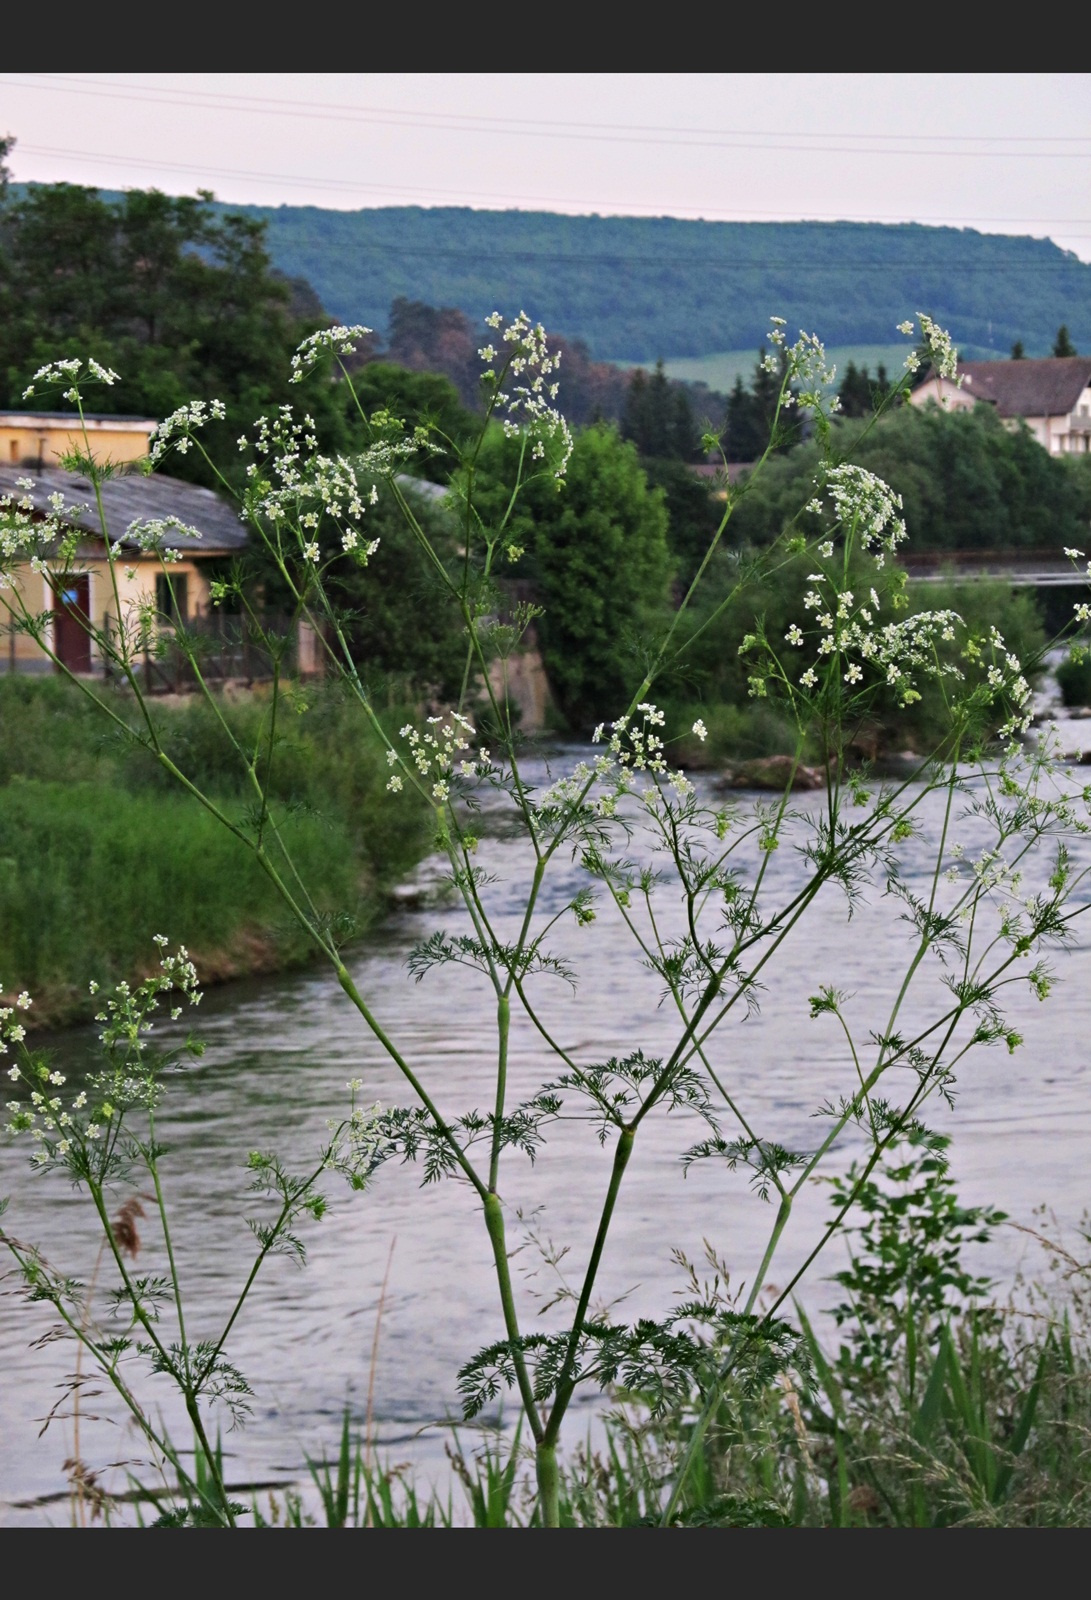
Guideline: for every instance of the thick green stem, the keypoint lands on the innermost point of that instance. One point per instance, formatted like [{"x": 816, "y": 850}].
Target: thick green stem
[
  {"x": 566, "y": 1381},
  {"x": 503, "y": 1025},
  {"x": 494, "y": 1221},
  {"x": 549, "y": 1500}
]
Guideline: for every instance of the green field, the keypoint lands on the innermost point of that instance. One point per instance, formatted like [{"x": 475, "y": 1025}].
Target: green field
[{"x": 720, "y": 369}]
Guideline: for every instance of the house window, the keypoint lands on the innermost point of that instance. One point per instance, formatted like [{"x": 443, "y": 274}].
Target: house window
[{"x": 171, "y": 596}]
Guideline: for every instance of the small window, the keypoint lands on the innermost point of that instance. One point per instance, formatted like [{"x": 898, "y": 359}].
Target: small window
[{"x": 171, "y": 596}]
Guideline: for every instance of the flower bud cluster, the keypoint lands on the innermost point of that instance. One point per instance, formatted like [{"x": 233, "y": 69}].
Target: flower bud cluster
[
  {"x": 360, "y": 1142},
  {"x": 65, "y": 1131}
]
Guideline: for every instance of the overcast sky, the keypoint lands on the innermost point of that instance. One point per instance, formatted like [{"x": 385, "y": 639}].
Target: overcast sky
[{"x": 1003, "y": 153}]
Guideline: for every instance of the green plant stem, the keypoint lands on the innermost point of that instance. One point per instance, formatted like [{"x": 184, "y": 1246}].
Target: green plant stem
[
  {"x": 545, "y": 1463},
  {"x": 494, "y": 1222},
  {"x": 503, "y": 1026},
  {"x": 566, "y": 1378}
]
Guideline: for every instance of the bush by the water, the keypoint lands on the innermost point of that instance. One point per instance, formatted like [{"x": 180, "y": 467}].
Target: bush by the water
[{"x": 1074, "y": 679}]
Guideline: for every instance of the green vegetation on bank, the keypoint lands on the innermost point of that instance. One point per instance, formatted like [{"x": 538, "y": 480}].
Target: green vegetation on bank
[{"x": 99, "y": 850}]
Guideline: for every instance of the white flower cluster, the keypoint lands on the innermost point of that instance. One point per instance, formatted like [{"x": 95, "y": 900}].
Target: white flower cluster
[
  {"x": 28, "y": 533},
  {"x": 434, "y": 754},
  {"x": 305, "y": 487},
  {"x": 941, "y": 352},
  {"x": 896, "y": 653},
  {"x": 339, "y": 340},
  {"x": 12, "y": 1030},
  {"x": 152, "y": 535},
  {"x": 867, "y": 509},
  {"x": 177, "y": 429},
  {"x": 635, "y": 746},
  {"x": 808, "y": 368},
  {"x": 64, "y": 1131},
  {"x": 527, "y": 405},
  {"x": 69, "y": 371}
]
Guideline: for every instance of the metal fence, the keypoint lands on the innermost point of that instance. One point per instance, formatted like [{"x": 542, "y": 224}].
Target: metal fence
[{"x": 222, "y": 648}]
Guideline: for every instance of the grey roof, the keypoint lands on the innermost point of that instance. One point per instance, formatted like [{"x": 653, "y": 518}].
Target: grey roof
[
  {"x": 130, "y": 498},
  {"x": 1030, "y": 388}
]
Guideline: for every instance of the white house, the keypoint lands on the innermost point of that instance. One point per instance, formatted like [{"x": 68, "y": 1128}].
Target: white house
[{"x": 1052, "y": 396}]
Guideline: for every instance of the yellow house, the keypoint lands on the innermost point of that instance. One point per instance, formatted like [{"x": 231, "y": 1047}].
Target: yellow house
[
  {"x": 196, "y": 524},
  {"x": 37, "y": 439}
]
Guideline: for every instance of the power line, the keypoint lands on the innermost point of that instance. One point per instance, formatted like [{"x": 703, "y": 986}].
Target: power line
[
  {"x": 611, "y": 133},
  {"x": 346, "y": 185}
]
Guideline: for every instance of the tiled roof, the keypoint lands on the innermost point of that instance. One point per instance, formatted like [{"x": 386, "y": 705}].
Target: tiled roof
[
  {"x": 1046, "y": 388},
  {"x": 130, "y": 498}
]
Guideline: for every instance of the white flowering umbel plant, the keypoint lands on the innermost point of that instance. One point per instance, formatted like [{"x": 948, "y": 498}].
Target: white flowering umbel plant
[
  {"x": 691, "y": 884},
  {"x": 103, "y": 1139}
]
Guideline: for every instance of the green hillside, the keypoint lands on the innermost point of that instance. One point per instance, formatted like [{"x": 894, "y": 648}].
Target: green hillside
[{"x": 639, "y": 288}]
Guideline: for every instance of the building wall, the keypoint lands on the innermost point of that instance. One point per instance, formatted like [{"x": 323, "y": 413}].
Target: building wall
[
  {"x": 135, "y": 587},
  {"x": 26, "y": 439}
]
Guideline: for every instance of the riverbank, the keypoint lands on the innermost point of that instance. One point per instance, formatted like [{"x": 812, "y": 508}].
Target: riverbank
[{"x": 100, "y": 849}]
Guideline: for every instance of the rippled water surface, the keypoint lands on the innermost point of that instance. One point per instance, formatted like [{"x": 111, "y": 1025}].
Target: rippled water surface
[{"x": 279, "y": 1052}]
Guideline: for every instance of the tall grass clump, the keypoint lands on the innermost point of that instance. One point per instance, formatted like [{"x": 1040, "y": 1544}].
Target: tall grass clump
[{"x": 99, "y": 848}]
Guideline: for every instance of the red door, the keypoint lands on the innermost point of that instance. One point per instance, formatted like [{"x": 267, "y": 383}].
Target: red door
[{"x": 71, "y": 613}]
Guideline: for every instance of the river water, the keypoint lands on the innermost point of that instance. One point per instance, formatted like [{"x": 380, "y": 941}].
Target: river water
[{"x": 279, "y": 1053}]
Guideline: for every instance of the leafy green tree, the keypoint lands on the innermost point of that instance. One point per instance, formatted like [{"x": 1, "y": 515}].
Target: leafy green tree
[
  {"x": 967, "y": 482},
  {"x": 693, "y": 514},
  {"x": 402, "y": 624},
  {"x": 658, "y": 417},
  {"x": 1062, "y": 345},
  {"x": 1018, "y": 352},
  {"x": 420, "y": 399},
  {"x": 436, "y": 339},
  {"x": 178, "y": 297},
  {"x": 598, "y": 556}
]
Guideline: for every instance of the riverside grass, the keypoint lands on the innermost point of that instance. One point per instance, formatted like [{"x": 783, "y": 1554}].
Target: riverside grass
[
  {"x": 98, "y": 853},
  {"x": 705, "y": 914}
]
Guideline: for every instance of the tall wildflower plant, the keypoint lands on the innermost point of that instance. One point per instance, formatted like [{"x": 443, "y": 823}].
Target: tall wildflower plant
[{"x": 707, "y": 924}]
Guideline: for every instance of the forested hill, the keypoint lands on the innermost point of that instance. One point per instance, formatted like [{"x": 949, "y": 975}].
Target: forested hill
[{"x": 638, "y": 288}]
